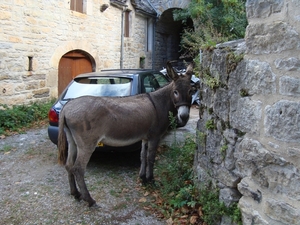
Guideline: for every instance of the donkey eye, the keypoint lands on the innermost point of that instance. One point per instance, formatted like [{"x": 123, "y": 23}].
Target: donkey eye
[{"x": 176, "y": 93}]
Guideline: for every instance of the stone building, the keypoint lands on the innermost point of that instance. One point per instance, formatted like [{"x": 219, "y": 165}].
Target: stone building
[
  {"x": 249, "y": 125},
  {"x": 44, "y": 44}
]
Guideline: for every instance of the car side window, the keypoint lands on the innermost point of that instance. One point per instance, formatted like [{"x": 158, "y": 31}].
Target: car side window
[
  {"x": 161, "y": 79},
  {"x": 151, "y": 82}
]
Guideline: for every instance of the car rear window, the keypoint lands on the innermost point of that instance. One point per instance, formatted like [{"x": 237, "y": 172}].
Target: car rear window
[{"x": 99, "y": 86}]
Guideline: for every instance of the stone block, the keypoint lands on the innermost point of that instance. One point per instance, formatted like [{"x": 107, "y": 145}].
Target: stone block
[
  {"x": 5, "y": 15},
  {"x": 266, "y": 170},
  {"x": 218, "y": 70},
  {"x": 288, "y": 64},
  {"x": 41, "y": 93},
  {"x": 231, "y": 136},
  {"x": 282, "y": 212},
  {"x": 258, "y": 78},
  {"x": 32, "y": 85},
  {"x": 226, "y": 177},
  {"x": 250, "y": 213},
  {"x": 221, "y": 104},
  {"x": 289, "y": 86},
  {"x": 263, "y": 8},
  {"x": 282, "y": 121},
  {"x": 245, "y": 115},
  {"x": 261, "y": 40},
  {"x": 213, "y": 146},
  {"x": 251, "y": 77},
  {"x": 7, "y": 89},
  {"x": 229, "y": 196},
  {"x": 249, "y": 189},
  {"x": 229, "y": 160},
  {"x": 5, "y": 45}
]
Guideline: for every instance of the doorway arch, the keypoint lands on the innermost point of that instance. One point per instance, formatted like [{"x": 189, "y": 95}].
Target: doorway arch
[
  {"x": 71, "y": 64},
  {"x": 168, "y": 37}
]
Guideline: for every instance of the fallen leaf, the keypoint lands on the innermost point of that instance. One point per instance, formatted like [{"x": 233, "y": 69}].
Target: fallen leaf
[
  {"x": 125, "y": 190},
  {"x": 143, "y": 200},
  {"x": 2, "y": 136},
  {"x": 184, "y": 209},
  {"x": 183, "y": 221},
  {"x": 146, "y": 193},
  {"x": 169, "y": 221},
  {"x": 193, "y": 219},
  {"x": 200, "y": 212},
  {"x": 158, "y": 201}
]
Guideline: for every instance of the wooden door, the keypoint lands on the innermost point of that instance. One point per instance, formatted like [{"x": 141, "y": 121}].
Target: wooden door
[{"x": 70, "y": 65}]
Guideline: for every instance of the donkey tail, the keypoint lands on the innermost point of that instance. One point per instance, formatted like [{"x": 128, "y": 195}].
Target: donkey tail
[{"x": 62, "y": 141}]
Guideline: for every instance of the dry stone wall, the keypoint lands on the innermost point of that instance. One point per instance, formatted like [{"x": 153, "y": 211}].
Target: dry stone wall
[{"x": 249, "y": 126}]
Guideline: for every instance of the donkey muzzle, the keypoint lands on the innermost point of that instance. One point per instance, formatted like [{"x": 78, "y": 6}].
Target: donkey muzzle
[{"x": 183, "y": 115}]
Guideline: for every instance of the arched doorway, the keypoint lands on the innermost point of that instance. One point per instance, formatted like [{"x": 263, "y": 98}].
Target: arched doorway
[
  {"x": 71, "y": 64},
  {"x": 168, "y": 37}
]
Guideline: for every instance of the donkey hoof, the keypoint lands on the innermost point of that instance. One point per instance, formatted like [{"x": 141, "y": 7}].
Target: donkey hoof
[
  {"x": 93, "y": 204},
  {"x": 77, "y": 196},
  {"x": 144, "y": 180},
  {"x": 150, "y": 180}
]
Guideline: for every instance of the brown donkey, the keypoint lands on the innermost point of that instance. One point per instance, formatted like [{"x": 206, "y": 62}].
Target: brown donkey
[{"x": 117, "y": 122}]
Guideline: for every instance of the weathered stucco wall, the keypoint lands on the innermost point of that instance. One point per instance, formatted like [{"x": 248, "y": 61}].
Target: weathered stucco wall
[{"x": 249, "y": 116}]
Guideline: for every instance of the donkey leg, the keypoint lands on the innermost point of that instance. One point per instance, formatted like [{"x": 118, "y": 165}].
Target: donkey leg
[
  {"x": 153, "y": 144},
  {"x": 72, "y": 153},
  {"x": 83, "y": 157},
  {"x": 143, "y": 161}
]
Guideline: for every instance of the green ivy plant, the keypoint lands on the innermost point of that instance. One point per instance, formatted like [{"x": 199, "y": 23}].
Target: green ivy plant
[
  {"x": 19, "y": 116},
  {"x": 210, "y": 125},
  {"x": 214, "y": 22}
]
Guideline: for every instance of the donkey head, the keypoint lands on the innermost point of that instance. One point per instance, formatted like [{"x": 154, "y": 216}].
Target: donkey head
[{"x": 182, "y": 93}]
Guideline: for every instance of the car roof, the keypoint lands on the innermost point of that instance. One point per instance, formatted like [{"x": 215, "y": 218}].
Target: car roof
[{"x": 116, "y": 72}]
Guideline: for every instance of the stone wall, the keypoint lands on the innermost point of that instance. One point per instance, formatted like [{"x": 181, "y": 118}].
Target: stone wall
[
  {"x": 46, "y": 30},
  {"x": 248, "y": 132}
]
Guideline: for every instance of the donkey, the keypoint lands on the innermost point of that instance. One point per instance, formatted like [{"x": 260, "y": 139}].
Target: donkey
[{"x": 120, "y": 121}]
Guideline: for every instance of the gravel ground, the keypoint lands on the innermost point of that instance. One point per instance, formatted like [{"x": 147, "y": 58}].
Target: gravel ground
[{"x": 34, "y": 188}]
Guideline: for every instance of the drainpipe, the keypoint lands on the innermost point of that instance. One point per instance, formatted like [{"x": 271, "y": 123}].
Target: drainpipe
[
  {"x": 123, "y": 7},
  {"x": 154, "y": 32},
  {"x": 122, "y": 38},
  {"x": 153, "y": 44}
]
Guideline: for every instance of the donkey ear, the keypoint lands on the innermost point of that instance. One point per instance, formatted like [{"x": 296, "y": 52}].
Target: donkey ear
[
  {"x": 189, "y": 70},
  {"x": 171, "y": 72}
]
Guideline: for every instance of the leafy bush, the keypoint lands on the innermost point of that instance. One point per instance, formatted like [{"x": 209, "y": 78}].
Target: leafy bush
[
  {"x": 179, "y": 196},
  {"x": 19, "y": 116},
  {"x": 175, "y": 168},
  {"x": 214, "y": 21}
]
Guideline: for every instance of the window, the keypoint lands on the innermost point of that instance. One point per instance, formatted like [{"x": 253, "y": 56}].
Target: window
[
  {"x": 126, "y": 24},
  {"x": 151, "y": 82},
  {"x": 30, "y": 58},
  {"x": 78, "y": 5},
  {"x": 99, "y": 86}
]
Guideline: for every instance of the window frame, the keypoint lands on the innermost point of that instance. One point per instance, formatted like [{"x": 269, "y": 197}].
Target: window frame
[{"x": 78, "y": 6}]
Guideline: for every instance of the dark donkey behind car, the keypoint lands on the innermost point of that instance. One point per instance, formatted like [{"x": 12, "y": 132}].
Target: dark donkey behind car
[{"x": 115, "y": 83}]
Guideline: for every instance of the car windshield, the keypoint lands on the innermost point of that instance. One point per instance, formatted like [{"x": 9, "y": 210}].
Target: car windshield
[{"x": 98, "y": 86}]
